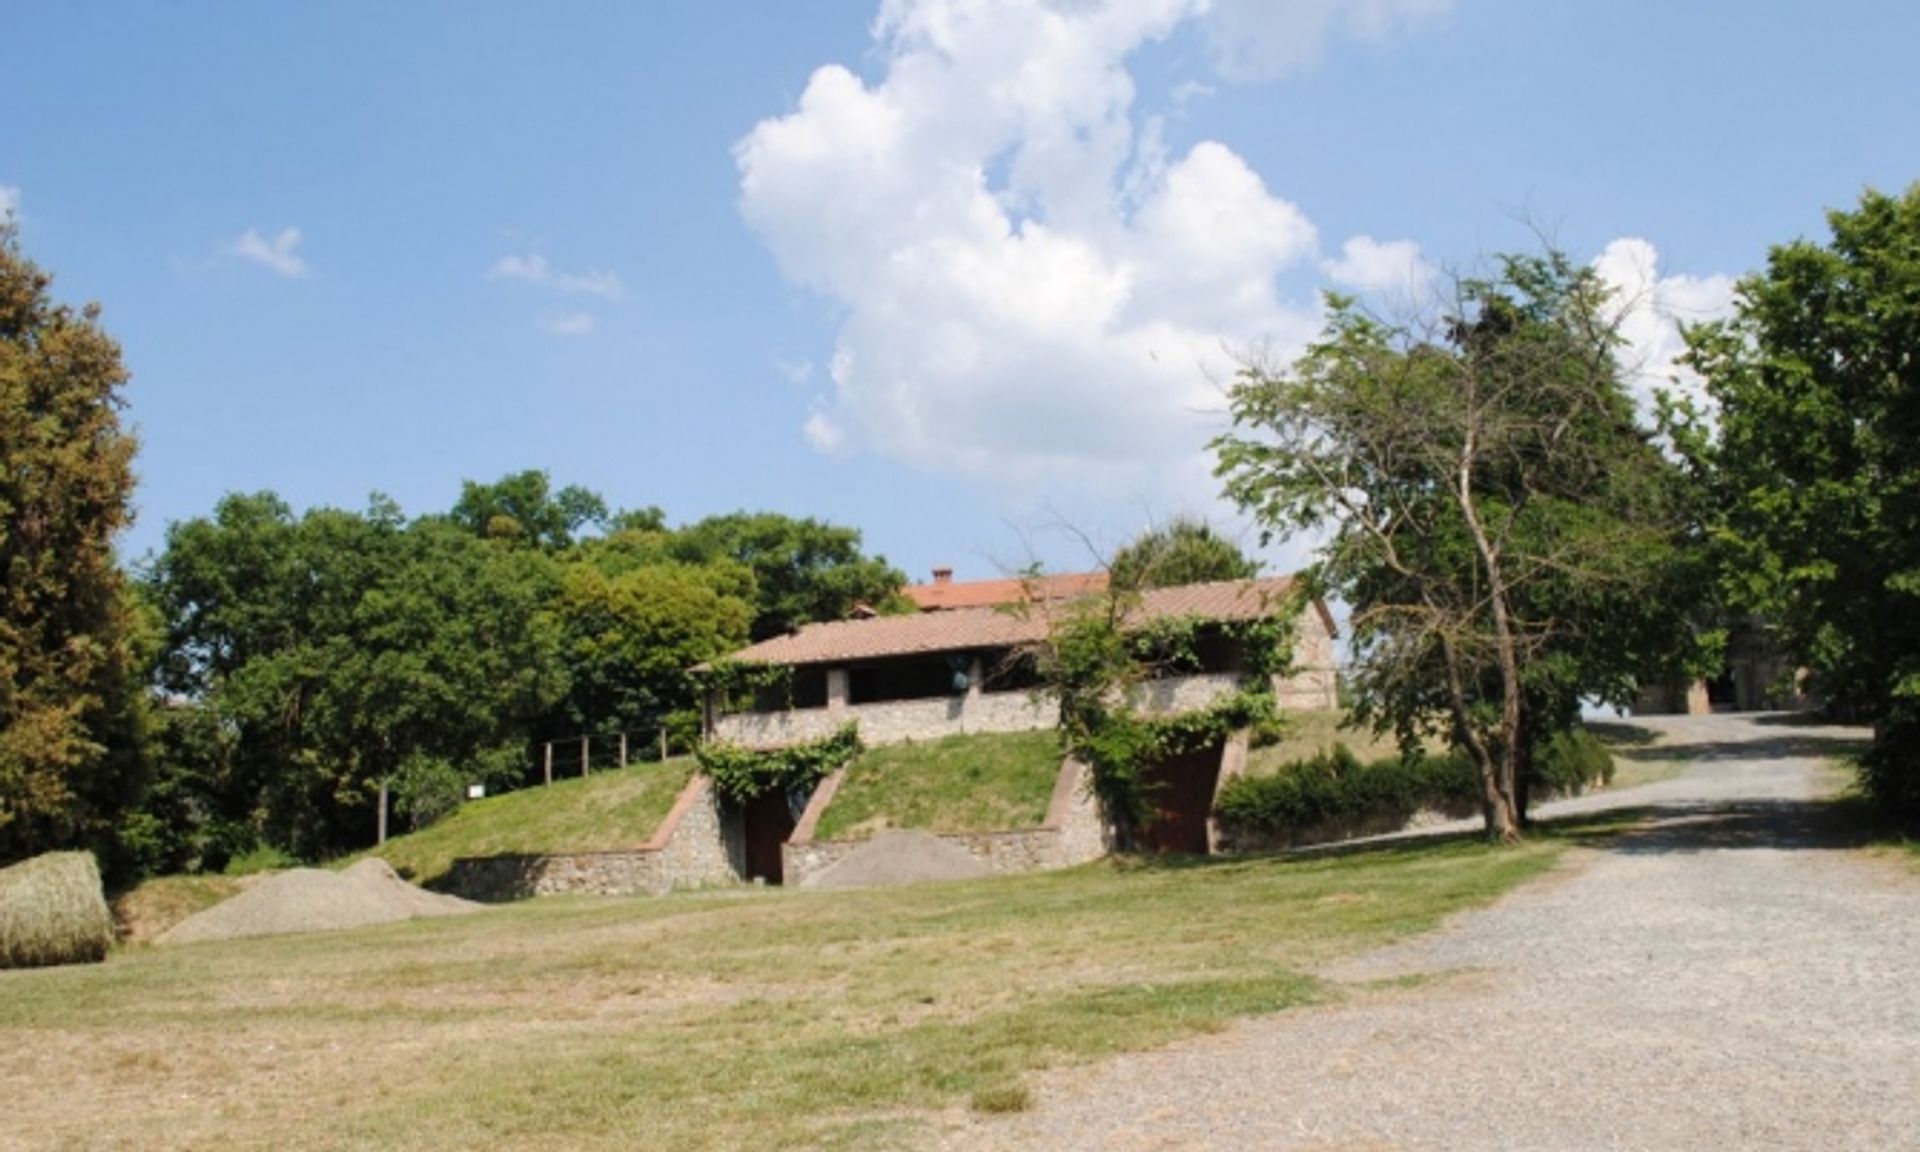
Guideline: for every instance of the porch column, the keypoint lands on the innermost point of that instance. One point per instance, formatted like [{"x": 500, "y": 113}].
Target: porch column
[{"x": 836, "y": 689}]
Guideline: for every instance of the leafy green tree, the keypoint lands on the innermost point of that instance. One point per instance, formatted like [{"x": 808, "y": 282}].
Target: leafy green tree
[
  {"x": 1496, "y": 520},
  {"x": 1816, "y": 465},
  {"x": 1187, "y": 551},
  {"x": 630, "y": 639},
  {"x": 69, "y": 693},
  {"x": 804, "y": 570},
  {"x": 523, "y": 509},
  {"x": 339, "y": 650}
]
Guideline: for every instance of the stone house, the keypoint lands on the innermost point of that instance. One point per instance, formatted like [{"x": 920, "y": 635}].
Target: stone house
[
  {"x": 954, "y": 666},
  {"x": 1756, "y": 676},
  {"x": 961, "y": 665}
]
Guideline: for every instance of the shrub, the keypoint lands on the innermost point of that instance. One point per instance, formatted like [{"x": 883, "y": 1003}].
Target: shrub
[
  {"x": 1890, "y": 771},
  {"x": 52, "y": 911},
  {"x": 1334, "y": 787},
  {"x": 1571, "y": 762}
]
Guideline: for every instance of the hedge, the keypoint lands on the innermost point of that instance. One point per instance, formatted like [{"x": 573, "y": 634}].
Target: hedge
[{"x": 1334, "y": 794}]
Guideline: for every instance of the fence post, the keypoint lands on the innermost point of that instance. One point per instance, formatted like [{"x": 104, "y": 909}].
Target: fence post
[
  {"x": 380, "y": 835},
  {"x": 623, "y": 749},
  {"x": 549, "y": 764},
  {"x": 586, "y": 746},
  {"x": 663, "y": 743}
]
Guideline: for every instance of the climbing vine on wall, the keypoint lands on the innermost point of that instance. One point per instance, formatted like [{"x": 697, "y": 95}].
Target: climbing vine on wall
[
  {"x": 741, "y": 774},
  {"x": 737, "y": 682},
  {"x": 1094, "y": 662}
]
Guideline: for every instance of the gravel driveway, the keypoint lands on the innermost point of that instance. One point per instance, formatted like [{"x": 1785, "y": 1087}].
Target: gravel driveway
[{"x": 1732, "y": 977}]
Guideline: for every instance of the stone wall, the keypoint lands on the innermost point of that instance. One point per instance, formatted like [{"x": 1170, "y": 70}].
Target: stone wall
[
  {"x": 892, "y": 722},
  {"x": 1073, "y": 833},
  {"x": 696, "y": 846}
]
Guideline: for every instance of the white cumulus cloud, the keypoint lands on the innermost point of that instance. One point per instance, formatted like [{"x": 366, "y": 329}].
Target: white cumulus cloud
[
  {"x": 1393, "y": 267},
  {"x": 1032, "y": 289},
  {"x": 280, "y": 253},
  {"x": 535, "y": 270},
  {"x": 1266, "y": 38},
  {"x": 1650, "y": 309}
]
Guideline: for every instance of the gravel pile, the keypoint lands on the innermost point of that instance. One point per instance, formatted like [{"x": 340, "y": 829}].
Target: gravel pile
[
  {"x": 1733, "y": 977},
  {"x": 316, "y": 900},
  {"x": 899, "y": 856}
]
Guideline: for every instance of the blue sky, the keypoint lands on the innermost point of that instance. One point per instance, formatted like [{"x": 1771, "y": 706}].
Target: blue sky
[{"x": 981, "y": 276}]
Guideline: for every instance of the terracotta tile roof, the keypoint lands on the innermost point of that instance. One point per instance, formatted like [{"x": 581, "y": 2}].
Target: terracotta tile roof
[
  {"x": 961, "y": 629},
  {"x": 946, "y": 594}
]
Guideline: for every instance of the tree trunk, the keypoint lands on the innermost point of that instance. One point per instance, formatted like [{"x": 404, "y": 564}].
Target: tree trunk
[
  {"x": 1496, "y": 800},
  {"x": 1523, "y": 768},
  {"x": 1504, "y": 744}
]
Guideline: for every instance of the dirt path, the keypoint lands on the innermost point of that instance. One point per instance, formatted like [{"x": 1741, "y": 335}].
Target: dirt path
[{"x": 1733, "y": 977}]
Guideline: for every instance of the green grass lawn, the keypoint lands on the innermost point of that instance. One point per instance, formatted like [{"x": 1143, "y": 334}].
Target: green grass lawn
[
  {"x": 602, "y": 812},
  {"x": 772, "y": 1019},
  {"x": 976, "y": 783}
]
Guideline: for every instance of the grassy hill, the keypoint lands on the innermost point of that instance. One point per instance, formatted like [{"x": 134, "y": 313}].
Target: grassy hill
[
  {"x": 603, "y": 812},
  {"x": 973, "y": 783}
]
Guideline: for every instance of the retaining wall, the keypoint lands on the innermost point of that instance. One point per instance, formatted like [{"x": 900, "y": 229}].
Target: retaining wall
[
  {"x": 698, "y": 845},
  {"x": 1072, "y": 833}
]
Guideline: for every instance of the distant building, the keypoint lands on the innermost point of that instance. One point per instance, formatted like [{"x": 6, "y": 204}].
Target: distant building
[
  {"x": 960, "y": 665},
  {"x": 1756, "y": 677}
]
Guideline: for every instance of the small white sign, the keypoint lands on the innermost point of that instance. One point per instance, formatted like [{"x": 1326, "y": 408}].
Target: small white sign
[{"x": 476, "y": 791}]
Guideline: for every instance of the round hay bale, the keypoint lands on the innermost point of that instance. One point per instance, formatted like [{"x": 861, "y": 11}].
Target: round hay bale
[{"x": 52, "y": 911}]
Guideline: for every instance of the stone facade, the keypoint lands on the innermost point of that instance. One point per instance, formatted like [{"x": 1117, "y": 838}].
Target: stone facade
[{"x": 893, "y": 722}]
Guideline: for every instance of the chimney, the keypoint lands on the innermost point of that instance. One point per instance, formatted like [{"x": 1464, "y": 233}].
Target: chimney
[{"x": 943, "y": 575}]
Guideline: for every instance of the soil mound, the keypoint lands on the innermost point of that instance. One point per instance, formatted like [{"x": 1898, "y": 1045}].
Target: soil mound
[
  {"x": 899, "y": 857},
  {"x": 316, "y": 900}
]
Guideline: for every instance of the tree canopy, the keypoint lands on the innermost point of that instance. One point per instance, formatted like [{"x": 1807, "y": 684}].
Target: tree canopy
[
  {"x": 804, "y": 570},
  {"x": 1185, "y": 551},
  {"x": 69, "y": 703},
  {"x": 1816, "y": 466},
  {"x": 1504, "y": 533},
  {"x": 311, "y": 658}
]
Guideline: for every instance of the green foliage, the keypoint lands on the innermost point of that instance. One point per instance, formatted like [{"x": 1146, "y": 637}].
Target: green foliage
[
  {"x": 335, "y": 650},
  {"x": 740, "y": 774},
  {"x": 1335, "y": 791},
  {"x": 1571, "y": 761},
  {"x": 1187, "y": 551},
  {"x": 71, "y": 714},
  {"x": 52, "y": 911},
  {"x": 803, "y": 570},
  {"x": 1334, "y": 788},
  {"x": 630, "y": 638},
  {"x": 1509, "y": 540},
  {"x": 1816, "y": 467},
  {"x": 1095, "y": 661},
  {"x": 521, "y": 509}
]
